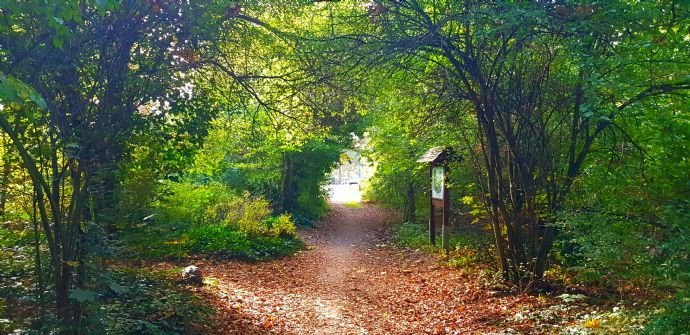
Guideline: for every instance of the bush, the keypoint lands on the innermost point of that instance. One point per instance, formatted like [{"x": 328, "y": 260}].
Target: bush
[
  {"x": 613, "y": 250},
  {"x": 210, "y": 219},
  {"x": 189, "y": 203},
  {"x": 250, "y": 215},
  {"x": 606, "y": 249},
  {"x": 136, "y": 195},
  {"x": 280, "y": 225},
  {"x": 244, "y": 212},
  {"x": 411, "y": 235},
  {"x": 304, "y": 181}
]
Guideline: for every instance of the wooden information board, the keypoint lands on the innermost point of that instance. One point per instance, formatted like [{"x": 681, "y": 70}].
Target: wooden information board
[{"x": 437, "y": 158}]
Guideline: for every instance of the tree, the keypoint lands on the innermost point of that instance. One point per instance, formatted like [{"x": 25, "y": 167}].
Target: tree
[
  {"x": 75, "y": 78},
  {"x": 543, "y": 82}
]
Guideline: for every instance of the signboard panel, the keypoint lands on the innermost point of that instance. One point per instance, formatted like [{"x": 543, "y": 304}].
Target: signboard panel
[{"x": 437, "y": 182}]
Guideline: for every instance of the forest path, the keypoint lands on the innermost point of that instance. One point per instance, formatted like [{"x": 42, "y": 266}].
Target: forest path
[{"x": 350, "y": 281}]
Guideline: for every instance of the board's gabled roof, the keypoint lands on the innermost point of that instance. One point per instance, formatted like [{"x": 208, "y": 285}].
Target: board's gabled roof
[{"x": 431, "y": 155}]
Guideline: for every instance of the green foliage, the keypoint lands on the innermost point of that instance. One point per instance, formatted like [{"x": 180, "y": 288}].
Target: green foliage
[
  {"x": 106, "y": 71},
  {"x": 193, "y": 203},
  {"x": 244, "y": 212},
  {"x": 137, "y": 194},
  {"x": 152, "y": 304},
  {"x": 250, "y": 215},
  {"x": 615, "y": 250},
  {"x": 463, "y": 256},
  {"x": 280, "y": 225},
  {"x": 226, "y": 242},
  {"x": 18, "y": 281},
  {"x": 308, "y": 173},
  {"x": 636, "y": 212},
  {"x": 210, "y": 219},
  {"x": 608, "y": 250},
  {"x": 395, "y": 145},
  {"x": 179, "y": 128},
  {"x": 289, "y": 174},
  {"x": 15, "y": 93},
  {"x": 212, "y": 240},
  {"x": 674, "y": 317},
  {"x": 124, "y": 301},
  {"x": 457, "y": 75},
  {"x": 411, "y": 235}
]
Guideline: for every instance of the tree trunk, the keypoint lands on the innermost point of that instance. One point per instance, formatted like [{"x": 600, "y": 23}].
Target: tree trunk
[
  {"x": 410, "y": 204},
  {"x": 38, "y": 266},
  {"x": 289, "y": 193},
  {"x": 104, "y": 202},
  {"x": 492, "y": 158},
  {"x": 65, "y": 310},
  {"x": 542, "y": 255}
]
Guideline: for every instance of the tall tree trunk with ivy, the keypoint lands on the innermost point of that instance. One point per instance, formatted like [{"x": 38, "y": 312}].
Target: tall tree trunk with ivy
[{"x": 289, "y": 187}]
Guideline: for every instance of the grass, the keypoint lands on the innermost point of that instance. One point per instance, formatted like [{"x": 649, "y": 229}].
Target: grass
[
  {"x": 353, "y": 205},
  {"x": 467, "y": 247}
]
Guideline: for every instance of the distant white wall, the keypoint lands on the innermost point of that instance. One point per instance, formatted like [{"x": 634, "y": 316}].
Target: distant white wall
[{"x": 352, "y": 168}]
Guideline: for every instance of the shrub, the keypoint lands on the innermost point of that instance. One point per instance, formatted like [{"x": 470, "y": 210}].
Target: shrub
[
  {"x": 281, "y": 225},
  {"x": 146, "y": 302},
  {"x": 245, "y": 212},
  {"x": 189, "y": 203},
  {"x": 136, "y": 195},
  {"x": 211, "y": 219},
  {"x": 311, "y": 203},
  {"x": 411, "y": 235},
  {"x": 614, "y": 250},
  {"x": 250, "y": 215}
]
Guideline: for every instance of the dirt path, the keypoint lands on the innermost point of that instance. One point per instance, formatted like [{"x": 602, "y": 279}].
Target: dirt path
[{"x": 351, "y": 281}]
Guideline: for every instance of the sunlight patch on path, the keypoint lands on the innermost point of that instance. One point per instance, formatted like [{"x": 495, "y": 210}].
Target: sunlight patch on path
[{"x": 297, "y": 313}]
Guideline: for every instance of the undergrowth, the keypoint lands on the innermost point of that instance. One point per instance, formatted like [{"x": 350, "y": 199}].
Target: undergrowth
[
  {"x": 673, "y": 316},
  {"x": 150, "y": 303},
  {"x": 179, "y": 242},
  {"x": 466, "y": 248},
  {"x": 211, "y": 220},
  {"x": 117, "y": 301}
]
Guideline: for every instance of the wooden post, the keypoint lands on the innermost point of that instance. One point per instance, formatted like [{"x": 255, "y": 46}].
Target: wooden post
[
  {"x": 432, "y": 212},
  {"x": 445, "y": 229}
]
